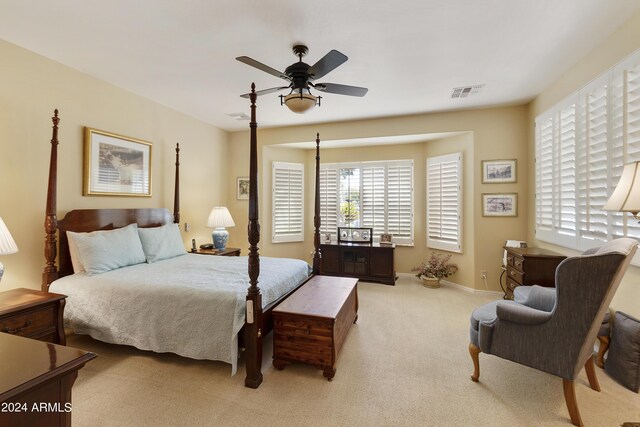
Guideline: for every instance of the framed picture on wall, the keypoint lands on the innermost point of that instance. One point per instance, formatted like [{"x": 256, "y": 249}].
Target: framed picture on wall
[
  {"x": 498, "y": 171},
  {"x": 499, "y": 204},
  {"x": 116, "y": 165},
  {"x": 242, "y": 192}
]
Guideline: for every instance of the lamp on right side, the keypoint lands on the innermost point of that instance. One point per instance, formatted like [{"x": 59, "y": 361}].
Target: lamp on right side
[{"x": 626, "y": 195}]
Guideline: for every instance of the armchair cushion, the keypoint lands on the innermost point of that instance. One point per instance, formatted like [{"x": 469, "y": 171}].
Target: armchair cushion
[
  {"x": 522, "y": 314},
  {"x": 536, "y": 297},
  {"x": 623, "y": 362}
]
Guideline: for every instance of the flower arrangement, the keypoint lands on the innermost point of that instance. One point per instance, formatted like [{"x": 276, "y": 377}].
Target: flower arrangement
[{"x": 437, "y": 267}]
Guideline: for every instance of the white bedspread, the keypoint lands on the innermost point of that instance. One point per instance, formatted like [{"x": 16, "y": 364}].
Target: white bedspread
[{"x": 191, "y": 305}]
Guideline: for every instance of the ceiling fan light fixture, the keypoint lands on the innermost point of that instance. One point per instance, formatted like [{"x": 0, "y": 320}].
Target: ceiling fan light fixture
[{"x": 300, "y": 100}]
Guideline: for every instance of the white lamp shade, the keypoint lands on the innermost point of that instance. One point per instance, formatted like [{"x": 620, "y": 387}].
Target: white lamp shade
[
  {"x": 220, "y": 217},
  {"x": 301, "y": 101},
  {"x": 626, "y": 196},
  {"x": 7, "y": 244}
]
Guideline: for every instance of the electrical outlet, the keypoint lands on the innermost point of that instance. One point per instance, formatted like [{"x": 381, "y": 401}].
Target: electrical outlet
[
  {"x": 187, "y": 226},
  {"x": 483, "y": 274}
]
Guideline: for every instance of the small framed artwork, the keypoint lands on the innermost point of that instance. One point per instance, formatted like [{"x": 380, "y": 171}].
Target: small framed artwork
[
  {"x": 242, "y": 192},
  {"x": 327, "y": 237},
  {"x": 116, "y": 165},
  {"x": 499, "y": 204},
  {"x": 355, "y": 235},
  {"x": 386, "y": 239},
  {"x": 498, "y": 171}
]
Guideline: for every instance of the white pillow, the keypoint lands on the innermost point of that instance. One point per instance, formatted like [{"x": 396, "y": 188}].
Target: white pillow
[
  {"x": 73, "y": 253},
  {"x": 102, "y": 251},
  {"x": 161, "y": 243}
]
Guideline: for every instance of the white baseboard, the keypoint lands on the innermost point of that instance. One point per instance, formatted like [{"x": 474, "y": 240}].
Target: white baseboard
[{"x": 457, "y": 286}]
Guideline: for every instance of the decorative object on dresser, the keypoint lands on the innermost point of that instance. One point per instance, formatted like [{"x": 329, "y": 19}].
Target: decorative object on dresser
[
  {"x": 33, "y": 314},
  {"x": 7, "y": 244},
  {"x": 435, "y": 269},
  {"x": 386, "y": 239},
  {"x": 530, "y": 266},
  {"x": 116, "y": 165},
  {"x": 242, "y": 191},
  {"x": 219, "y": 252},
  {"x": 219, "y": 218},
  {"x": 311, "y": 325},
  {"x": 498, "y": 171},
  {"x": 33, "y": 374},
  {"x": 366, "y": 261},
  {"x": 355, "y": 235},
  {"x": 499, "y": 204}
]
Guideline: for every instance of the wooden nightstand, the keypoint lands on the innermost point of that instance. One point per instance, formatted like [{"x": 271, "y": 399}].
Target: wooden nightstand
[
  {"x": 33, "y": 314},
  {"x": 225, "y": 252}
]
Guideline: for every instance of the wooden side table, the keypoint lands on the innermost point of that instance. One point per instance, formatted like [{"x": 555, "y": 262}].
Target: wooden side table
[
  {"x": 530, "y": 266},
  {"x": 224, "y": 252},
  {"x": 36, "y": 380},
  {"x": 33, "y": 314}
]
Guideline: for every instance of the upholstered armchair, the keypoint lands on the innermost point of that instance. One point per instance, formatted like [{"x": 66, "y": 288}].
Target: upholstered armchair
[{"x": 553, "y": 330}]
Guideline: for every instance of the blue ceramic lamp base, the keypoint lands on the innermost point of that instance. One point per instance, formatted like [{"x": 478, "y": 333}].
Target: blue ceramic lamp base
[{"x": 220, "y": 237}]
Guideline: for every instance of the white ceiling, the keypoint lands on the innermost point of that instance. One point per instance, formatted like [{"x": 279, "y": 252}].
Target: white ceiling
[{"x": 409, "y": 53}]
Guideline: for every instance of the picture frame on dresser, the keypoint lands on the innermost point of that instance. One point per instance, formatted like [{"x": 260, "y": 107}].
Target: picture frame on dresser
[{"x": 116, "y": 165}]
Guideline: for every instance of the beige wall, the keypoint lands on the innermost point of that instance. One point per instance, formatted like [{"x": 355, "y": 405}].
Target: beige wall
[
  {"x": 619, "y": 45},
  {"x": 497, "y": 133},
  {"x": 32, "y": 86}
]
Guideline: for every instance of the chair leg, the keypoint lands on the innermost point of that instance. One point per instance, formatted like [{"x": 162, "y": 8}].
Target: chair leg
[
  {"x": 572, "y": 405},
  {"x": 591, "y": 374},
  {"x": 602, "y": 349},
  {"x": 474, "y": 352}
]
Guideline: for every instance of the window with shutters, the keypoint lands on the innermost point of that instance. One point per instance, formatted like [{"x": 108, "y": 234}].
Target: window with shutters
[
  {"x": 368, "y": 194},
  {"x": 444, "y": 202},
  {"x": 582, "y": 145},
  {"x": 288, "y": 202}
]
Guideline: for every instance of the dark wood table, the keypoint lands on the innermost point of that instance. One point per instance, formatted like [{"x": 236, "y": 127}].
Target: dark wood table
[
  {"x": 35, "y": 381},
  {"x": 218, "y": 252}
]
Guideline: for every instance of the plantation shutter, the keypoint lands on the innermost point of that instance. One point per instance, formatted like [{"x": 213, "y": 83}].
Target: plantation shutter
[
  {"x": 373, "y": 198},
  {"x": 288, "y": 202},
  {"x": 444, "y": 202},
  {"x": 544, "y": 174},
  {"x": 631, "y": 130},
  {"x": 566, "y": 172},
  {"x": 400, "y": 201},
  {"x": 329, "y": 200}
]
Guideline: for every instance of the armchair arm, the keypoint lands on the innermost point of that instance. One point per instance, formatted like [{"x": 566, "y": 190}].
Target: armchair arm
[
  {"x": 521, "y": 314},
  {"x": 541, "y": 298}
]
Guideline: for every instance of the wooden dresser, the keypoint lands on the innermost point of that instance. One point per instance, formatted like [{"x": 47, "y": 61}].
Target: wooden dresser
[
  {"x": 35, "y": 381},
  {"x": 370, "y": 262},
  {"x": 311, "y": 325},
  {"x": 33, "y": 314},
  {"x": 530, "y": 266}
]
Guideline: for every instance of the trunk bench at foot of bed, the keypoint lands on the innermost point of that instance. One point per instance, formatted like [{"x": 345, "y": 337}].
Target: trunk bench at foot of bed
[{"x": 311, "y": 325}]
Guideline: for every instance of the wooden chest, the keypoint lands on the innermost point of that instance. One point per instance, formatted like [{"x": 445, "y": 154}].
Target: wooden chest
[
  {"x": 311, "y": 325},
  {"x": 530, "y": 266}
]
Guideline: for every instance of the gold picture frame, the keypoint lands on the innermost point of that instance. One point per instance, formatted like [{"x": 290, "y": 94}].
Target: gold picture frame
[
  {"x": 116, "y": 165},
  {"x": 242, "y": 188}
]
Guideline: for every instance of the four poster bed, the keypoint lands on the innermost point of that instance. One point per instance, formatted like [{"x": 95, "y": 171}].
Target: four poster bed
[{"x": 145, "y": 304}]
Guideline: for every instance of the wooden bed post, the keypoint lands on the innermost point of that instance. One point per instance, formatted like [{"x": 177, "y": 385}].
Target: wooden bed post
[
  {"x": 253, "y": 334},
  {"x": 51, "y": 221},
  {"x": 176, "y": 192},
  {"x": 317, "y": 254}
]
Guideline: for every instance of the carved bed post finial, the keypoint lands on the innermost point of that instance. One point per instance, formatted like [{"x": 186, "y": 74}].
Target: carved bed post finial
[
  {"x": 51, "y": 221},
  {"x": 176, "y": 192},
  {"x": 253, "y": 334},
  {"x": 317, "y": 253}
]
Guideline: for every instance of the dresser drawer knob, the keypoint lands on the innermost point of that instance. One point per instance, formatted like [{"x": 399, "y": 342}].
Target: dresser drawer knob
[
  {"x": 513, "y": 273},
  {"x": 16, "y": 330}
]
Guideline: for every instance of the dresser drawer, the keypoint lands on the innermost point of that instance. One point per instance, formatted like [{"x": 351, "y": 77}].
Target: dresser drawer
[
  {"x": 514, "y": 275},
  {"x": 29, "y": 323},
  {"x": 518, "y": 264}
]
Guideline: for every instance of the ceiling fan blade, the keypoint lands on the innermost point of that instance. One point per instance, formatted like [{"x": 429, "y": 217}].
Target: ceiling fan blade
[
  {"x": 266, "y": 91},
  {"x": 328, "y": 63},
  {"x": 261, "y": 66},
  {"x": 341, "y": 89}
]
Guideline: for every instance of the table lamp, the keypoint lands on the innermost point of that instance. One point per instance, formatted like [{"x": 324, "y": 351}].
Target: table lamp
[
  {"x": 7, "y": 244},
  {"x": 219, "y": 218},
  {"x": 626, "y": 195}
]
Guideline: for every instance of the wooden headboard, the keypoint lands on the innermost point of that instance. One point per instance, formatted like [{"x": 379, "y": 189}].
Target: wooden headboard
[{"x": 86, "y": 220}]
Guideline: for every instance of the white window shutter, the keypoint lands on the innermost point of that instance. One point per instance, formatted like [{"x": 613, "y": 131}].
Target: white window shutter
[
  {"x": 329, "y": 200},
  {"x": 400, "y": 201},
  {"x": 373, "y": 198},
  {"x": 288, "y": 202},
  {"x": 444, "y": 202}
]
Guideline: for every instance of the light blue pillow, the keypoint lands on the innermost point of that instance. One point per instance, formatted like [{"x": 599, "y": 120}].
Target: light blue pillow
[
  {"x": 161, "y": 243},
  {"x": 102, "y": 251}
]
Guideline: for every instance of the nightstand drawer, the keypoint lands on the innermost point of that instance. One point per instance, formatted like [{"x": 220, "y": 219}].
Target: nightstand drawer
[
  {"x": 29, "y": 323},
  {"x": 514, "y": 274},
  {"x": 518, "y": 264}
]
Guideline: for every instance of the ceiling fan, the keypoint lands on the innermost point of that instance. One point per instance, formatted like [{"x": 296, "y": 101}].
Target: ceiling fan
[{"x": 301, "y": 78}]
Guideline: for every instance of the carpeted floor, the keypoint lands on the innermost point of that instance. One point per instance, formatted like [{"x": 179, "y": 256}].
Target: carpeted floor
[{"x": 405, "y": 363}]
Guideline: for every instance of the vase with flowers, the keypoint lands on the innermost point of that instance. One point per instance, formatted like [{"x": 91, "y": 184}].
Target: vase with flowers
[{"x": 436, "y": 268}]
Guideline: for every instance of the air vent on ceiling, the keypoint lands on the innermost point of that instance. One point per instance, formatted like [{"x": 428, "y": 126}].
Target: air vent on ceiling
[
  {"x": 239, "y": 116},
  {"x": 465, "y": 91}
]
